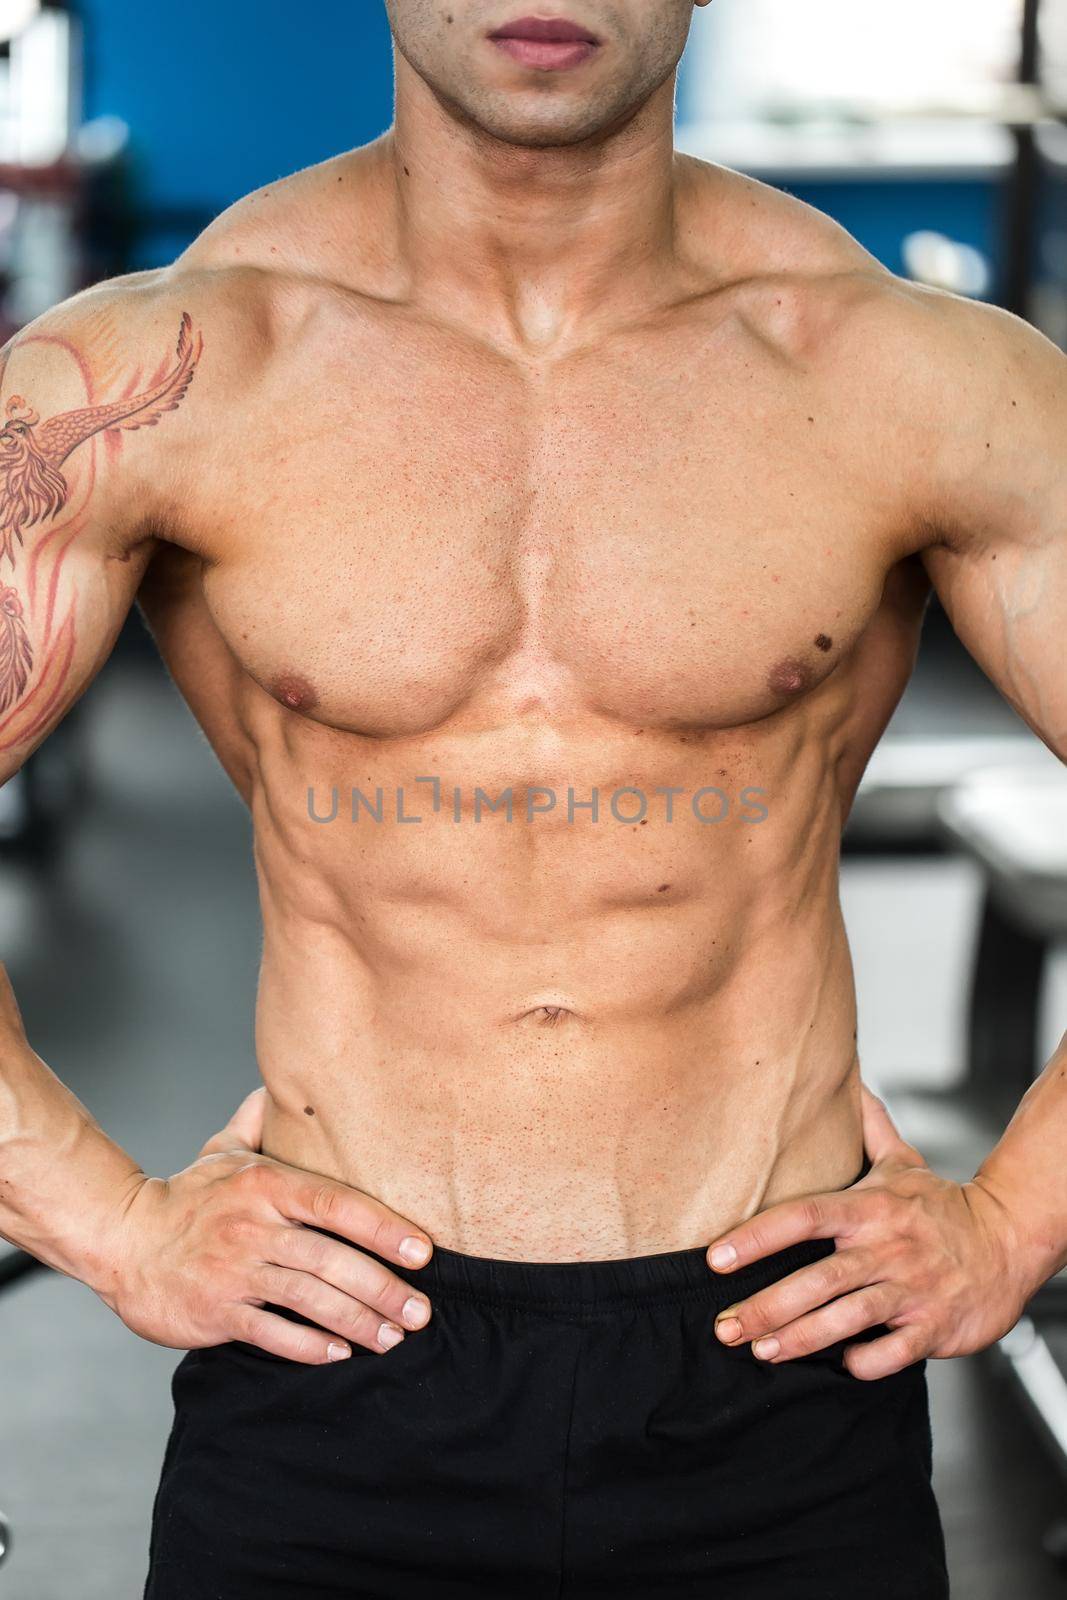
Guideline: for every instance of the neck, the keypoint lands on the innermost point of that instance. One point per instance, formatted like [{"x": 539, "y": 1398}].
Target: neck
[{"x": 525, "y": 243}]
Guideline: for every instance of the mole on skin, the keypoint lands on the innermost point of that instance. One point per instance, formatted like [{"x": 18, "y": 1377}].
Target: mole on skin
[
  {"x": 295, "y": 692},
  {"x": 789, "y": 677},
  {"x": 823, "y": 642},
  {"x": 309, "y": 1111}
]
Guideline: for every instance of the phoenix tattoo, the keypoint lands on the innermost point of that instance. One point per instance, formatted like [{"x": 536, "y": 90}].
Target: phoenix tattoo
[
  {"x": 34, "y": 490},
  {"x": 16, "y": 653}
]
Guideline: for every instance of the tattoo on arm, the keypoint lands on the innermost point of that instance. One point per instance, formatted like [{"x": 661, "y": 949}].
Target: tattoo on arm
[
  {"x": 34, "y": 490},
  {"x": 16, "y": 652}
]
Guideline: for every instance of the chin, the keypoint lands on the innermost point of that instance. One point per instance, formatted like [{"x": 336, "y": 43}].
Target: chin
[
  {"x": 541, "y": 127},
  {"x": 534, "y": 138}
]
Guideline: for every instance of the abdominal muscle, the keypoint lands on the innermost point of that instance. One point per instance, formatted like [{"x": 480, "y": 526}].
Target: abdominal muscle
[{"x": 541, "y": 1041}]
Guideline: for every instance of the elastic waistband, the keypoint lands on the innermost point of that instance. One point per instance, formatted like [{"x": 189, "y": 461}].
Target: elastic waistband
[
  {"x": 591, "y": 1286},
  {"x": 588, "y": 1287}
]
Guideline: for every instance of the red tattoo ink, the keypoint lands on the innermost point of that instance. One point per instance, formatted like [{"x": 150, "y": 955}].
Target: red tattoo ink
[
  {"x": 34, "y": 490},
  {"x": 16, "y": 653}
]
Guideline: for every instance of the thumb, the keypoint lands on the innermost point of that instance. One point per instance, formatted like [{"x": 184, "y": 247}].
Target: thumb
[
  {"x": 881, "y": 1138},
  {"x": 245, "y": 1127}
]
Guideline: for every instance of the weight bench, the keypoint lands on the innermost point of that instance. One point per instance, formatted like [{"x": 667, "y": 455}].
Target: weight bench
[
  {"x": 897, "y": 806},
  {"x": 1012, "y": 821}
]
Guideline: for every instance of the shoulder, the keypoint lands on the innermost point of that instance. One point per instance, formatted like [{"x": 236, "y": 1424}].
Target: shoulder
[
  {"x": 312, "y": 231},
  {"x": 953, "y": 410},
  {"x": 807, "y": 282},
  {"x": 942, "y": 351},
  {"x": 978, "y": 362},
  {"x": 126, "y": 332},
  {"x": 243, "y": 282},
  {"x": 810, "y": 286},
  {"x": 753, "y": 224},
  {"x": 791, "y": 272},
  {"x": 971, "y": 403},
  {"x": 976, "y": 399},
  {"x": 145, "y": 365}
]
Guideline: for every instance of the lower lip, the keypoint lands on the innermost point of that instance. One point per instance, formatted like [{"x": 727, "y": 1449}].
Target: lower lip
[{"x": 546, "y": 55}]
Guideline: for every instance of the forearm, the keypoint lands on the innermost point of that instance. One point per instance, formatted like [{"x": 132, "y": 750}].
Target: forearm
[
  {"x": 63, "y": 1182},
  {"x": 1027, "y": 1172}
]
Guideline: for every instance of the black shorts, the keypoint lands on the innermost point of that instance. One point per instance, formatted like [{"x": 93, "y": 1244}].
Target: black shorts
[{"x": 558, "y": 1432}]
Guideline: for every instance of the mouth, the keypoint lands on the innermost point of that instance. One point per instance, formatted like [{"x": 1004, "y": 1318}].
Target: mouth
[{"x": 546, "y": 44}]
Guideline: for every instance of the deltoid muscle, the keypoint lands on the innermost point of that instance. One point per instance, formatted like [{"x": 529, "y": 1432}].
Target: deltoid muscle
[{"x": 33, "y": 489}]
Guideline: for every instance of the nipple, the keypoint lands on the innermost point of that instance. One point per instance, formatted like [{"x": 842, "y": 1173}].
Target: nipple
[
  {"x": 789, "y": 677},
  {"x": 294, "y": 692}
]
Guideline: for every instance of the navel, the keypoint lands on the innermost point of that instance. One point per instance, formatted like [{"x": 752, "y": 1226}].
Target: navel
[{"x": 549, "y": 1016}]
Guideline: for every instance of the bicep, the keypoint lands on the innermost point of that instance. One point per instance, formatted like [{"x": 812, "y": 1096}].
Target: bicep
[
  {"x": 1008, "y": 605},
  {"x": 1000, "y": 562},
  {"x": 72, "y": 543},
  {"x": 59, "y": 617}
]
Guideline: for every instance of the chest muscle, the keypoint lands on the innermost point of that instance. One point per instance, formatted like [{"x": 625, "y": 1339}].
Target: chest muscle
[{"x": 655, "y": 537}]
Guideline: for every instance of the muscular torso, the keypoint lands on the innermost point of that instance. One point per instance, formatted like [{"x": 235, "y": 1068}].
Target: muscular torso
[{"x": 674, "y": 560}]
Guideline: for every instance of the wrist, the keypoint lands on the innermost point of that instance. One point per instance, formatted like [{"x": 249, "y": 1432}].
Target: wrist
[
  {"x": 106, "y": 1262},
  {"x": 1031, "y": 1238},
  {"x": 65, "y": 1188}
]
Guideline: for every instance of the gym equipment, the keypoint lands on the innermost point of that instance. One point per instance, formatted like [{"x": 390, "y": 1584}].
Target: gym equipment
[
  {"x": 1012, "y": 821},
  {"x": 897, "y": 807}
]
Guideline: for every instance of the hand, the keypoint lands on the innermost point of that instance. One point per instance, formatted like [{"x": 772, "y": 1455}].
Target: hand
[
  {"x": 198, "y": 1255},
  {"x": 938, "y": 1263}
]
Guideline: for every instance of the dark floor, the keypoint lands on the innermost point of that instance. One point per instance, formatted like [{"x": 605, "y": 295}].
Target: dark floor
[{"x": 134, "y": 957}]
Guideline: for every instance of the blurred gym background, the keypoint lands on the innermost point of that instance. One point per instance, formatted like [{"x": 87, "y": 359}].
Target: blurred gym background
[{"x": 128, "y": 919}]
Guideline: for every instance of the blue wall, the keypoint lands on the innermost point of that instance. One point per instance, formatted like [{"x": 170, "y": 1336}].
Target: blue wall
[
  {"x": 880, "y": 212},
  {"x": 225, "y": 95}
]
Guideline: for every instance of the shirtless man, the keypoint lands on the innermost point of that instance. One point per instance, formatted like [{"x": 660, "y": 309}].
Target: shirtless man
[{"x": 540, "y": 525}]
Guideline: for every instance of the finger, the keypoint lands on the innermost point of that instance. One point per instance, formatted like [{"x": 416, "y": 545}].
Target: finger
[
  {"x": 355, "y": 1275},
  {"x": 245, "y": 1127},
  {"x": 817, "y": 1216},
  {"x": 880, "y": 1358},
  {"x": 294, "y": 1341},
  {"x": 323, "y": 1203},
  {"x": 792, "y": 1297},
  {"x": 881, "y": 1137},
  {"x": 321, "y": 1303},
  {"x": 843, "y": 1319}
]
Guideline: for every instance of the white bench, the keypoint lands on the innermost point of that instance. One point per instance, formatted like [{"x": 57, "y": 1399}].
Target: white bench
[
  {"x": 898, "y": 802},
  {"x": 1012, "y": 821}
]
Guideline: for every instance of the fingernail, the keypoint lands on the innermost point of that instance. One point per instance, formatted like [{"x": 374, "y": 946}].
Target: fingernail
[
  {"x": 723, "y": 1255},
  {"x": 766, "y": 1349},
  {"x": 416, "y": 1312},
  {"x": 416, "y": 1252},
  {"x": 728, "y": 1330},
  {"x": 337, "y": 1352},
  {"x": 389, "y": 1335}
]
